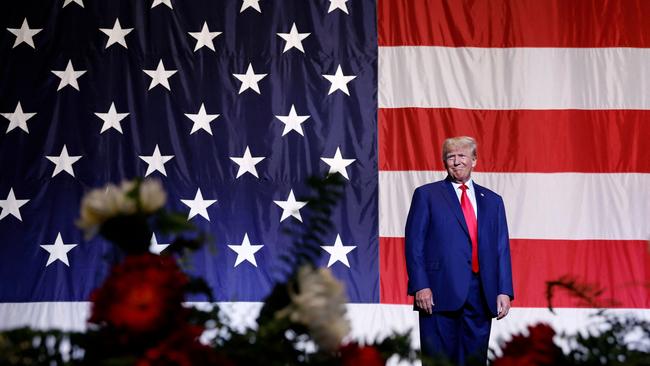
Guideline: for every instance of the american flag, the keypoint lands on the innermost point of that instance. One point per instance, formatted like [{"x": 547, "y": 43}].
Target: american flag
[{"x": 233, "y": 103}]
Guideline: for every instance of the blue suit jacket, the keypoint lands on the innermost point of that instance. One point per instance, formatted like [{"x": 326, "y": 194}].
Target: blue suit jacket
[{"x": 439, "y": 249}]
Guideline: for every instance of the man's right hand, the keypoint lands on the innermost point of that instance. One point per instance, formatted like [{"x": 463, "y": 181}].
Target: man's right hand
[{"x": 424, "y": 300}]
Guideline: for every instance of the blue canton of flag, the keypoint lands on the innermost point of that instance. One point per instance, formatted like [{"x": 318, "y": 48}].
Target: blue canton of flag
[{"x": 231, "y": 104}]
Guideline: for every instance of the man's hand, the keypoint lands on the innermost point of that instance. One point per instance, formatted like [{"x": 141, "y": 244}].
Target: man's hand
[
  {"x": 503, "y": 306},
  {"x": 424, "y": 300}
]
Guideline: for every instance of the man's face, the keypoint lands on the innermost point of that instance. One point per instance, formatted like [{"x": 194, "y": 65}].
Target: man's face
[{"x": 459, "y": 163}]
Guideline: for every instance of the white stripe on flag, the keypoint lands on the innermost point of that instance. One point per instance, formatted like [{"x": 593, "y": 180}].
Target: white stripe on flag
[
  {"x": 574, "y": 206},
  {"x": 514, "y": 78},
  {"x": 65, "y": 316}
]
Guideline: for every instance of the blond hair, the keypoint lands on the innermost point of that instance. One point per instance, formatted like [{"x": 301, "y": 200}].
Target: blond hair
[{"x": 459, "y": 141}]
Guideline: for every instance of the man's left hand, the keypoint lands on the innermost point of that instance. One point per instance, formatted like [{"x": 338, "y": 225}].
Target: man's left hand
[{"x": 503, "y": 306}]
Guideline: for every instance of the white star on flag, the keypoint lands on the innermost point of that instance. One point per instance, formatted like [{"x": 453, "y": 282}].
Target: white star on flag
[
  {"x": 18, "y": 118},
  {"x": 78, "y": 2},
  {"x": 255, "y": 4},
  {"x": 292, "y": 122},
  {"x": 339, "y": 81},
  {"x": 116, "y": 34},
  {"x": 293, "y": 38},
  {"x": 247, "y": 163},
  {"x": 249, "y": 79},
  {"x": 204, "y": 37},
  {"x": 156, "y": 162},
  {"x": 58, "y": 251},
  {"x": 338, "y": 164},
  {"x": 291, "y": 207},
  {"x": 198, "y": 206},
  {"x": 24, "y": 34},
  {"x": 338, "y": 4},
  {"x": 338, "y": 252},
  {"x": 68, "y": 76},
  {"x": 63, "y": 162},
  {"x": 160, "y": 76},
  {"x": 11, "y": 206},
  {"x": 154, "y": 247},
  {"x": 111, "y": 119},
  {"x": 245, "y": 251},
  {"x": 158, "y": 2},
  {"x": 201, "y": 120}
]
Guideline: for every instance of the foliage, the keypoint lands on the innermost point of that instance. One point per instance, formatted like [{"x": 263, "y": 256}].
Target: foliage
[
  {"x": 138, "y": 316},
  {"x": 610, "y": 344}
]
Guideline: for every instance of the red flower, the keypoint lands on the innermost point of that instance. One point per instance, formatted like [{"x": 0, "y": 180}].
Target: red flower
[
  {"x": 142, "y": 294},
  {"x": 352, "y": 355},
  {"x": 182, "y": 348},
  {"x": 536, "y": 349}
]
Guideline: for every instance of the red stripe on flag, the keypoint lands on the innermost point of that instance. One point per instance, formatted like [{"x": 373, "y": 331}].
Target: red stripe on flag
[
  {"x": 514, "y": 23},
  {"x": 621, "y": 268},
  {"x": 544, "y": 141},
  {"x": 392, "y": 272}
]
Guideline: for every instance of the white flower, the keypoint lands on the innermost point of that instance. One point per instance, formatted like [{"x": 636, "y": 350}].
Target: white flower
[
  {"x": 152, "y": 196},
  {"x": 101, "y": 204},
  {"x": 116, "y": 202},
  {"x": 319, "y": 304}
]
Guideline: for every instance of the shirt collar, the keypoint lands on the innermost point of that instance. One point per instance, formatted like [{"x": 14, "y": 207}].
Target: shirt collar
[{"x": 469, "y": 184}]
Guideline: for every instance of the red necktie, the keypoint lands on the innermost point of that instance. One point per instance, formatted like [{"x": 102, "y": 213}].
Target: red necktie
[{"x": 470, "y": 220}]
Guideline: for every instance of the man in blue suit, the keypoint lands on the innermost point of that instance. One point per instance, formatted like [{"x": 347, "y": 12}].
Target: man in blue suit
[{"x": 458, "y": 259}]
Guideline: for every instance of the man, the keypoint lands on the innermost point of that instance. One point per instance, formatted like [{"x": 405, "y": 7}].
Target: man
[{"x": 458, "y": 259}]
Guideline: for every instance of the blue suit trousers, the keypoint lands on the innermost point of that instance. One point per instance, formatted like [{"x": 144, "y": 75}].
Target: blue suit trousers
[{"x": 461, "y": 336}]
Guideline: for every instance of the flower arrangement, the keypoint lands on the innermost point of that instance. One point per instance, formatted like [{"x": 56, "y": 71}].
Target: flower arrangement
[
  {"x": 129, "y": 199},
  {"x": 138, "y": 315},
  {"x": 609, "y": 345},
  {"x": 318, "y": 304},
  {"x": 139, "y": 295},
  {"x": 535, "y": 349}
]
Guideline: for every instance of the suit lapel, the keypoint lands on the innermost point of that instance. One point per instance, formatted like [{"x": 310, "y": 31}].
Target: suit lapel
[{"x": 454, "y": 205}]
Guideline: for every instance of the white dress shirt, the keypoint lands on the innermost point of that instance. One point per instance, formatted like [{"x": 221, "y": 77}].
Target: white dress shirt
[{"x": 471, "y": 193}]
